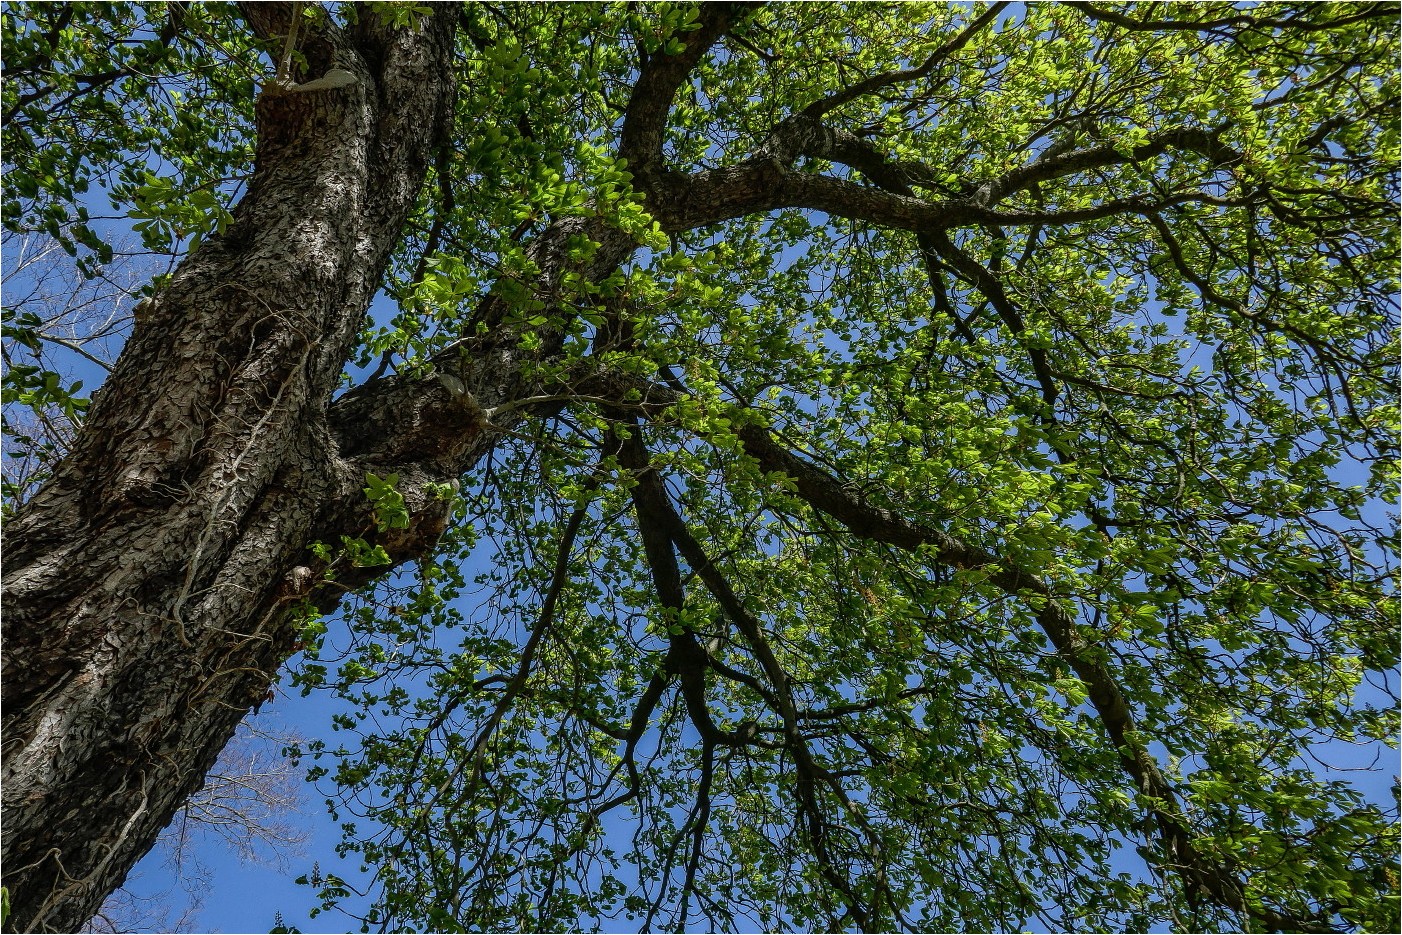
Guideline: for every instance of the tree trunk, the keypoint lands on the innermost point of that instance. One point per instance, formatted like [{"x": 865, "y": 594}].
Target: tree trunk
[{"x": 147, "y": 582}]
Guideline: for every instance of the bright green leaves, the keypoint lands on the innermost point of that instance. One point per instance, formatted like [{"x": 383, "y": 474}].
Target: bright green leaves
[
  {"x": 354, "y": 550},
  {"x": 166, "y": 215},
  {"x": 390, "y": 512},
  {"x": 401, "y": 14},
  {"x": 530, "y": 155},
  {"x": 388, "y": 503},
  {"x": 447, "y": 282},
  {"x": 37, "y": 389},
  {"x": 106, "y": 98},
  {"x": 661, "y": 27}
]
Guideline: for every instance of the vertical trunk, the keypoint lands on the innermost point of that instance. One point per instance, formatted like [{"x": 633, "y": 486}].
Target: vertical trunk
[{"x": 146, "y": 583}]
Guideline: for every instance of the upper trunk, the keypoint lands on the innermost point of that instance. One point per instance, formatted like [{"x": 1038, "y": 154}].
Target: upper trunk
[{"x": 146, "y": 583}]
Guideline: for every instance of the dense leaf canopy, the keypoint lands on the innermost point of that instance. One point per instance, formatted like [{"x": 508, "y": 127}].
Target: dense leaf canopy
[{"x": 958, "y": 504}]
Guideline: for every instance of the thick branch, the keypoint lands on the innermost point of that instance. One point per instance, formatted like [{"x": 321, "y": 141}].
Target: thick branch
[
  {"x": 267, "y": 20},
  {"x": 1187, "y": 139},
  {"x": 645, "y": 120},
  {"x": 762, "y": 184},
  {"x": 1378, "y": 11}
]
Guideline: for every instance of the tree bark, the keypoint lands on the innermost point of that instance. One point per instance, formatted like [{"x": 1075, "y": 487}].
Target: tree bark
[{"x": 147, "y": 582}]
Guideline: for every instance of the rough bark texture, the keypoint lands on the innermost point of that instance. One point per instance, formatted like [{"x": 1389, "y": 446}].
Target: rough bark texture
[{"x": 146, "y": 584}]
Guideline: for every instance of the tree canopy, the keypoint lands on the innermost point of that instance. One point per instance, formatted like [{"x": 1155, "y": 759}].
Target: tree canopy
[{"x": 881, "y": 466}]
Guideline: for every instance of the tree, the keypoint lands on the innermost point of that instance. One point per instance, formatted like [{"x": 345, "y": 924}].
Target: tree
[{"x": 918, "y": 450}]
